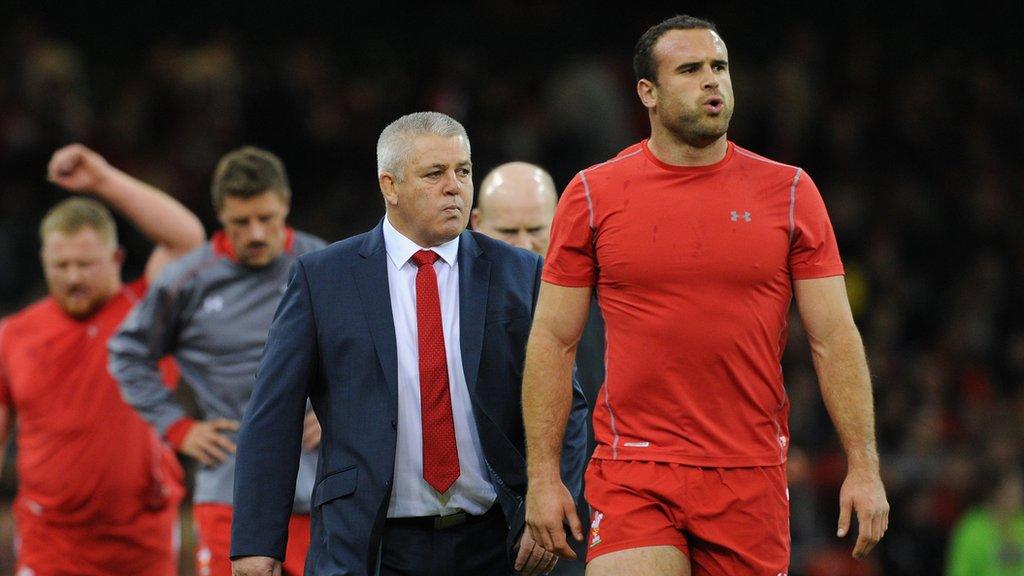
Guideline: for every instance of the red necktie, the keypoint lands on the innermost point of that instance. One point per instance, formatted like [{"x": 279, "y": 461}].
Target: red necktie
[{"x": 440, "y": 452}]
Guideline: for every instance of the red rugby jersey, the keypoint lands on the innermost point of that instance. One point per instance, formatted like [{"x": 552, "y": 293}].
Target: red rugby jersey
[
  {"x": 694, "y": 270},
  {"x": 83, "y": 454}
]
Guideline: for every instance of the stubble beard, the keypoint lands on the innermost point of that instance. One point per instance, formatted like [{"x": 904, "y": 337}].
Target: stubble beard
[{"x": 698, "y": 129}]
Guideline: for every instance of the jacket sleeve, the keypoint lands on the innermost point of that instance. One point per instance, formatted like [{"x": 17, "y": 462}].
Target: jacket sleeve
[
  {"x": 270, "y": 439},
  {"x": 146, "y": 336},
  {"x": 574, "y": 443}
]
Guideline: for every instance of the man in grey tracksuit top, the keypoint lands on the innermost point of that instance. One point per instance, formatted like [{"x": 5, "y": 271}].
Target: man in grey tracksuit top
[{"x": 212, "y": 310}]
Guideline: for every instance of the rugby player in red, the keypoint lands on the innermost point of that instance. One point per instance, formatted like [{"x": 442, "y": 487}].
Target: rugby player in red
[
  {"x": 98, "y": 492},
  {"x": 696, "y": 247}
]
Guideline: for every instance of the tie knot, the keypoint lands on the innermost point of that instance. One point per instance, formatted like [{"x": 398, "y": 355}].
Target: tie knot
[{"x": 424, "y": 257}]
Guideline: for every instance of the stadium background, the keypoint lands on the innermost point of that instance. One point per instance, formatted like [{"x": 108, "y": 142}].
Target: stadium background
[{"x": 909, "y": 117}]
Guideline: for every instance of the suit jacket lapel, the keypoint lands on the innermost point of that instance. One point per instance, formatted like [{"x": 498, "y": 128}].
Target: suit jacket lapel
[
  {"x": 372, "y": 279},
  {"x": 474, "y": 281}
]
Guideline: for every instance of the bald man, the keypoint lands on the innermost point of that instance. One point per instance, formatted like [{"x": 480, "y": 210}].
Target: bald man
[{"x": 516, "y": 204}]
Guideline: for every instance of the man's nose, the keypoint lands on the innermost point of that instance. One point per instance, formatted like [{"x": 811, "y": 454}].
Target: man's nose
[
  {"x": 523, "y": 240},
  {"x": 73, "y": 274},
  {"x": 710, "y": 79},
  {"x": 452, "y": 183},
  {"x": 257, "y": 231}
]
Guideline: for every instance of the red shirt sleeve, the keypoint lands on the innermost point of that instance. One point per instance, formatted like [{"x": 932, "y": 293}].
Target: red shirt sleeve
[
  {"x": 138, "y": 286},
  {"x": 813, "y": 251},
  {"x": 571, "y": 260},
  {"x": 5, "y": 386}
]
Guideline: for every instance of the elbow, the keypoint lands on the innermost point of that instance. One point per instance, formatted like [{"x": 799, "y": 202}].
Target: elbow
[
  {"x": 194, "y": 235},
  {"x": 840, "y": 340},
  {"x": 545, "y": 338}
]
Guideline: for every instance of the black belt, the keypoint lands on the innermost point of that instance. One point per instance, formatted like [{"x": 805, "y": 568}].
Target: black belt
[{"x": 442, "y": 522}]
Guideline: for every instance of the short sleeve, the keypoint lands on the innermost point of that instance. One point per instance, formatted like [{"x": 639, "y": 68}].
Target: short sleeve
[
  {"x": 813, "y": 251},
  {"x": 570, "y": 260}
]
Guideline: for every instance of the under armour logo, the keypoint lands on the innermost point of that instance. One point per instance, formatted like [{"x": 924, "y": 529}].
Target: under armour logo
[{"x": 734, "y": 216}]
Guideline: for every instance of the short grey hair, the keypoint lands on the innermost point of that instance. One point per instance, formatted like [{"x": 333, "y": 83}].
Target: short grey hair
[{"x": 395, "y": 142}]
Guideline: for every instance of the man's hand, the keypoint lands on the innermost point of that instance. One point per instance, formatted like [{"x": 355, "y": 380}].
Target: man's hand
[
  {"x": 311, "y": 432},
  {"x": 206, "y": 442},
  {"x": 547, "y": 505},
  {"x": 78, "y": 169},
  {"x": 863, "y": 492},
  {"x": 532, "y": 559},
  {"x": 256, "y": 566}
]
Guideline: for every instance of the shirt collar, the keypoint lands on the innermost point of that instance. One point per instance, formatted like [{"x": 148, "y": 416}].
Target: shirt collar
[
  {"x": 222, "y": 246},
  {"x": 400, "y": 249}
]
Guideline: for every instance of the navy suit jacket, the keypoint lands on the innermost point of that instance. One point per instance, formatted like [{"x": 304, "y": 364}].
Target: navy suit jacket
[{"x": 333, "y": 341}]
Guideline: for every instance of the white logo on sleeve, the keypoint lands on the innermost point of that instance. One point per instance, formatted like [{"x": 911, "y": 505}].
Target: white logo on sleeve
[{"x": 212, "y": 304}]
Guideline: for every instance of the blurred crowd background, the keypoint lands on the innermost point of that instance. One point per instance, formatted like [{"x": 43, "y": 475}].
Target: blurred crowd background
[{"x": 909, "y": 118}]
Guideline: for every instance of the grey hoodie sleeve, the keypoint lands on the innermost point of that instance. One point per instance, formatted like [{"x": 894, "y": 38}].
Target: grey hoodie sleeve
[{"x": 146, "y": 336}]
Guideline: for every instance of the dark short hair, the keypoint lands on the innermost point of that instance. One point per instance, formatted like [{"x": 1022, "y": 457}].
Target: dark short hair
[
  {"x": 643, "y": 59},
  {"x": 249, "y": 172}
]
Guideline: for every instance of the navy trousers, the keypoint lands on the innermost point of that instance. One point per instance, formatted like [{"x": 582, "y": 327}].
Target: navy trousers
[{"x": 418, "y": 547}]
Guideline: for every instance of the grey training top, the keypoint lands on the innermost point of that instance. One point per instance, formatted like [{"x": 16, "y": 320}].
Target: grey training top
[{"x": 213, "y": 314}]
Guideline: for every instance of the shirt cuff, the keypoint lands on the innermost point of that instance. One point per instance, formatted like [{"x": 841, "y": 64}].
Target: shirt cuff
[{"x": 176, "y": 432}]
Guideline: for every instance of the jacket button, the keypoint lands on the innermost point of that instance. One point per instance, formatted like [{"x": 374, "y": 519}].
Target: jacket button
[{"x": 394, "y": 425}]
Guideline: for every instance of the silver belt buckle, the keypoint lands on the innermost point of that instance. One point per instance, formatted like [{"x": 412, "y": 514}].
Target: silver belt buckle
[{"x": 442, "y": 522}]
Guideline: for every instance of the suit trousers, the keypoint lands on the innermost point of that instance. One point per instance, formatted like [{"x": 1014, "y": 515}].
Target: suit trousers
[{"x": 417, "y": 547}]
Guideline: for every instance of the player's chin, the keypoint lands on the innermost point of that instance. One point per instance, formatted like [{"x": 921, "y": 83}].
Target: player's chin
[
  {"x": 448, "y": 230},
  {"x": 77, "y": 307},
  {"x": 455, "y": 222},
  {"x": 256, "y": 261},
  {"x": 714, "y": 127}
]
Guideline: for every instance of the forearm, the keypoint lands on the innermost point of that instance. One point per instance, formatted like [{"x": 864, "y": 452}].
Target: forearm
[
  {"x": 143, "y": 390},
  {"x": 547, "y": 398},
  {"x": 161, "y": 218},
  {"x": 846, "y": 390}
]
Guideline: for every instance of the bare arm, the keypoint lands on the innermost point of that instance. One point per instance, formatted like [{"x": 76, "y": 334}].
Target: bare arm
[
  {"x": 547, "y": 397},
  {"x": 172, "y": 227},
  {"x": 842, "y": 369}
]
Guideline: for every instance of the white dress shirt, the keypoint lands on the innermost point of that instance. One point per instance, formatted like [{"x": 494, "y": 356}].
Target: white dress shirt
[{"x": 410, "y": 494}]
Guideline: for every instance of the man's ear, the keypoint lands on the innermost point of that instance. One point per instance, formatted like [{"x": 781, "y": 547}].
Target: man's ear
[
  {"x": 648, "y": 93},
  {"x": 387, "y": 188}
]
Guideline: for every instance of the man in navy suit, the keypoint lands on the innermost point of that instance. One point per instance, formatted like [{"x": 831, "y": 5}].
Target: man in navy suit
[{"x": 409, "y": 340}]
